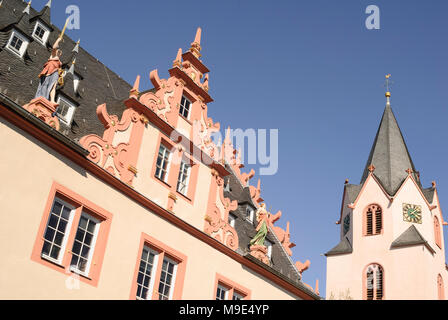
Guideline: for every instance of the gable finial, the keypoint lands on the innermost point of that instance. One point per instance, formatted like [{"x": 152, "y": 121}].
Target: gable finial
[
  {"x": 388, "y": 86},
  {"x": 49, "y": 3},
  {"x": 76, "y": 48},
  {"x": 196, "y": 45},
  {"x": 178, "y": 61}
]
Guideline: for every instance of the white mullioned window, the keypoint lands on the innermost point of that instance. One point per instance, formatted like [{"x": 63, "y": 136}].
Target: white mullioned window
[
  {"x": 57, "y": 230},
  {"x": 167, "y": 278},
  {"x": 17, "y": 43},
  {"x": 147, "y": 268},
  {"x": 84, "y": 244},
  {"x": 184, "y": 178},
  {"x": 66, "y": 110},
  {"x": 41, "y": 33},
  {"x": 222, "y": 293},
  {"x": 185, "y": 106},
  {"x": 163, "y": 163}
]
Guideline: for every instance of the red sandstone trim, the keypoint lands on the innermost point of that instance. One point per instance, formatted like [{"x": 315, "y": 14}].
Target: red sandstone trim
[
  {"x": 232, "y": 286},
  {"x": 163, "y": 251},
  {"x": 81, "y": 205},
  {"x": 104, "y": 176}
]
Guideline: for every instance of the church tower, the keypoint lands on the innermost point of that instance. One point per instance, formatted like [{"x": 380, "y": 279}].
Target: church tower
[{"x": 391, "y": 244}]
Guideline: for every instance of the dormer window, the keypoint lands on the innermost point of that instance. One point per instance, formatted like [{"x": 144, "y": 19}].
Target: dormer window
[
  {"x": 268, "y": 244},
  {"x": 41, "y": 33},
  {"x": 76, "y": 80},
  {"x": 232, "y": 220},
  {"x": 250, "y": 214},
  {"x": 17, "y": 43},
  {"x": 185, "y": 107},
  {"x": 66, "y": 110}
]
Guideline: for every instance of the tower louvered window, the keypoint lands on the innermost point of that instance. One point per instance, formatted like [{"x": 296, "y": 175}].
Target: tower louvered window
[
  {"x": 373, "y": 220},
  {"x": 374, "y": 286}
]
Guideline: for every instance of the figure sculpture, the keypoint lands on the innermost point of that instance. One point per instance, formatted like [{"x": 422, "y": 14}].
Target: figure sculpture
[
  {"x": 262, "y": 228},
  {"x": 50, "y": 74}
]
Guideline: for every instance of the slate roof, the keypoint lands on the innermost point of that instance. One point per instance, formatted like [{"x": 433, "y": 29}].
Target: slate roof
[
  {"x": 246, "y": 230},
  {"x": 411, "y": 237},
  {"x": 19, "y": 81},
  {"x": 389, "y": 155},
  {"x": 391, "y": 158},
  {"x": 344, "y": 247},
  {"x": 98, "y": 85}
]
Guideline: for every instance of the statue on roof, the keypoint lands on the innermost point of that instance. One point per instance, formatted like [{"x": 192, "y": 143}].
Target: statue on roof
[
  {"x": 52, "y": 72},
  {"x": 262, "y": 228}
]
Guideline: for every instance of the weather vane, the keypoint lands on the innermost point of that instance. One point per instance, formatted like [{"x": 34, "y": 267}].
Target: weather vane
[
  {"x": 388, "y": 86},
  {"x": 388, "y": 83}
]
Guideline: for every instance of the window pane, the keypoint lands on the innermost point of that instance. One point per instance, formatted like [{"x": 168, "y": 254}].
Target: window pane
[
  {"x": 83, "y": 245},
  {"x": 184, "y": 109},
  {"x": 162, "y": 163},
  {"x": 145, "y": 273},
  {"x": 182, "y": 181},
  {"x": 221, "y": 293},
  {"x": 166, "y": 279},
  {"x": 58, "y": 220}
]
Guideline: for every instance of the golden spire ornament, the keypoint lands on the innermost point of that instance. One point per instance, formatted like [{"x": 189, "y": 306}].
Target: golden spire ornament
[{"x": 388, "y": 86}]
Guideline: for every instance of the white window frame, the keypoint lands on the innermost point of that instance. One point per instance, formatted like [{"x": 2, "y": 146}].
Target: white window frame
[
  {"x": 71, "y": 111},
  {"x": 232, "y": 220},
  {"x": 76, "y": 81},
  {"x": 250, "y": 217},
  {"x": 24, "y": 46},
  {"x": 222, "y": 288},
  {"x": 173, "y": 278},
  {"x": 269, "y": 246},
  {"x": 168, "y": 164},
  {"x": 44, "y": 39},
  {"x": 92, "y": 246},
  {"x": 184, "y": 164},
  {"x": 66, "y": 233},
  {"x": 236, "y": 294},
  {"x": 153, "y": 272},
  {"x": 181, "y": 107}
]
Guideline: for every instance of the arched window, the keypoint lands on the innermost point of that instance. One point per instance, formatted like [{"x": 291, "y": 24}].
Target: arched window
[
  {"x": 440, "y": 288},
  {"x": 374, "y": 282},
  {"x": 373, "y": 220},
  {"x": 437, "y": 235}
]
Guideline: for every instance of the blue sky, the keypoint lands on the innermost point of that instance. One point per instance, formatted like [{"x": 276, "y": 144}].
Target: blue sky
[{"x": 308, "y": 68}]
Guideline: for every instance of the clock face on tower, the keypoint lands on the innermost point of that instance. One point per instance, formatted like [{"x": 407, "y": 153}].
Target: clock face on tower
[{"x": 412, "y": 213}]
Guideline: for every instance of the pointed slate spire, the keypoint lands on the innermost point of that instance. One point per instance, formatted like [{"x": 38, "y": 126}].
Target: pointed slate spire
[{"x": 389, "y": 157}]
